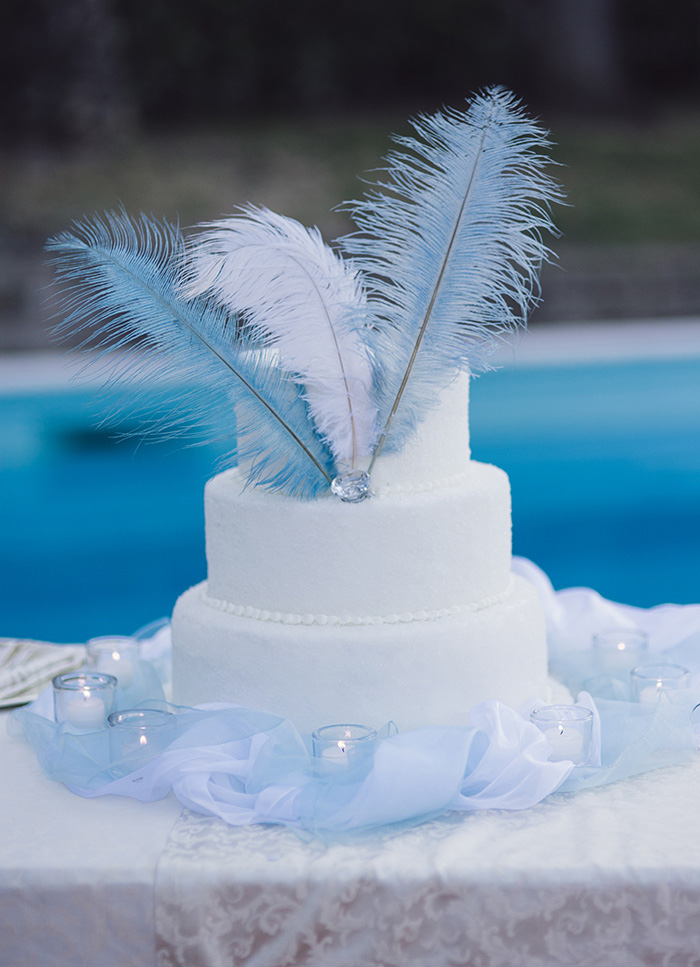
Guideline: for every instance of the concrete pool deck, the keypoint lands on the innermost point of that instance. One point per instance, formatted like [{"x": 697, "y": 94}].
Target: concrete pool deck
[
  {"x": 546, "y": 344},
  {"x": 599, "y": 342}
]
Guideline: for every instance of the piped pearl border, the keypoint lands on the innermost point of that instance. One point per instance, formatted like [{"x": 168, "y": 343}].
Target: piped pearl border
[{"x": 279, "y": 617}]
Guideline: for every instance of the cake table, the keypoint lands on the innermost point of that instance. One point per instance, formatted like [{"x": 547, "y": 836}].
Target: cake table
[{"x": 605, "y": 876}]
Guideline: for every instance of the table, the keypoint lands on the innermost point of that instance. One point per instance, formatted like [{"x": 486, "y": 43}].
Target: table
[{"x": 609, "y": 876}]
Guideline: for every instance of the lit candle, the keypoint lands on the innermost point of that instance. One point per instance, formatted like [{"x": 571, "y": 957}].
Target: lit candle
[
  {"x": 85, "y": 710},
  {"x": 114, "y": 655},
  {"x": 650, "y": 695},
  {"x": 566, "y": 743},
  {"x": 83, "y": 700},
  {"x": 114, "y": 663},
  {"x": 338, "y": 752},
  {"x": 619, "y": 649},
  {"x": 336, "y": 745},
  {"x": 567, "y": 728},
  {"x": 650, "y": 683},
  {"x": 137, "y": 735}
]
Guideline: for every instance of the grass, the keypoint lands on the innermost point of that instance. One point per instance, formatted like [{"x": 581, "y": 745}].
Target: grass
[
  {"x": 630, "y": 245},
  {"x": 625, "y": 184},
  {"x": 631, "y": 185},
  {"x": 303, "y": 170}
]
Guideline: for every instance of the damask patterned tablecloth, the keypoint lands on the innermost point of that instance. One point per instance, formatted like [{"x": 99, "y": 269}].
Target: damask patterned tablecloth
[
  {"x": 609, "y": 876},
  {"x": 76, "y": 876}
]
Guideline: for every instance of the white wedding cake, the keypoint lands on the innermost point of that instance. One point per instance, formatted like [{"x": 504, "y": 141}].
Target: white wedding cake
[
  {"x": 359, "y": 562},
  {"x": 402, "y": 607}
]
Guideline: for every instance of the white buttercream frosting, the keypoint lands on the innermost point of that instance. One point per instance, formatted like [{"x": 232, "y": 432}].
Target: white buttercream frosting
[
  {"x": 400, "y": 607},
  {"x": 438, "y": 451},
  {"x": 414, "y": 673},
  {"x": 402, "y": 552}
]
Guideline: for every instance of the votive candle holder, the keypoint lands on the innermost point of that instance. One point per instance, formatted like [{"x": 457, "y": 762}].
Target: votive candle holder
[
  {"x": 695, "y": 724},
  {"x": 336, "y": 746},
  {"x": 84, "y": 700},
  {"x": 138, "y": 735},
  {"x": 114, "y": 655},
  {"x": 652, "y": 683},
  {"x": 568, "y": 729},
  {"x": 619, "y": 649}
]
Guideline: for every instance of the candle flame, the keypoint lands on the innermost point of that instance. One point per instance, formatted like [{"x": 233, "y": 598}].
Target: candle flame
[
  {"x": 342, "y": 747},
  {"x": 621, "y": 646},
  {"x": 116, "y": 656},
  {"x": 86, "y": 692},
  {"x": 143, "y": 740},
  {"x": 561, "y": 728}
]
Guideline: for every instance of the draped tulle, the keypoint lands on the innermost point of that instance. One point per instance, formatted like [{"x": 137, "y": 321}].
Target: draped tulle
[{"x": 247, "y": 766}]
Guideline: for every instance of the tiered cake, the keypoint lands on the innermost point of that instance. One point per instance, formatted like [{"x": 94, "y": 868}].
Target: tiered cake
[
  {"x": 322, "y": 604},
  {"x": 402, "y": 607}
]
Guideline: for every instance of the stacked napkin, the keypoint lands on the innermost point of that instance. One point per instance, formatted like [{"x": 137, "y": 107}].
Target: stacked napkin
[{"x": 27, "y": 666}]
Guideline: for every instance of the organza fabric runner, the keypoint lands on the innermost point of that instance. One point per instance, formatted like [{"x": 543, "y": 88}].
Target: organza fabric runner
[{"x": 246, "y": 766}]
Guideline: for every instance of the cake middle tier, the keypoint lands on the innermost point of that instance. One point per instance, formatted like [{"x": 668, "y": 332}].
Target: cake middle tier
[{"x": 427, "y": 548}]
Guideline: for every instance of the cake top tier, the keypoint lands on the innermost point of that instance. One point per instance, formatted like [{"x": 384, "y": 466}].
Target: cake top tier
[
  {"x": 435, "y": 456},
  {"x": 436, "y": 453}
]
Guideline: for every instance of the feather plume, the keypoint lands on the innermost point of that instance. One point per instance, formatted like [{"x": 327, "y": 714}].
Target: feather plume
[
  {"x": 121, "y": 281},
  {"x": 451, "y": 244},
  {"x": 298, "y": 297}
]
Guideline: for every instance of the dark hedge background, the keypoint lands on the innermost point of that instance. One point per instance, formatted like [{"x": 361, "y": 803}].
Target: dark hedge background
[{"x": 86, "y": 69}]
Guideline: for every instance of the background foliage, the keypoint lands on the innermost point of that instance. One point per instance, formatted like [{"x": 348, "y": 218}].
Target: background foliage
[
  {"x": 185, "y": 108},
  {"x": 80, "y": 68}
]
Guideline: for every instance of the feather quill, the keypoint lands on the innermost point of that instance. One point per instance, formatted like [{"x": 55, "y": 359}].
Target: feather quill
[
  {"x": 450, "y": 245},
  {"x": 121, "y": 281},
  {"x": 298, "y": 297}
]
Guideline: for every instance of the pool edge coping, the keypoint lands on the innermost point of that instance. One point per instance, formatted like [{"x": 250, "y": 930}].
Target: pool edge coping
[{"x": 546, "y": 344}]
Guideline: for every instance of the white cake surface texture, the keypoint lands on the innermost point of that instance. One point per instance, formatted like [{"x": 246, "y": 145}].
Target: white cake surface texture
[{"x": 400, "y": 608}]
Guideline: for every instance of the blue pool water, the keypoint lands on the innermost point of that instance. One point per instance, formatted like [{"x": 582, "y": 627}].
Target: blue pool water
[
  {"x": 604, "y": 463},
  {"x": 100, "y": 536}
]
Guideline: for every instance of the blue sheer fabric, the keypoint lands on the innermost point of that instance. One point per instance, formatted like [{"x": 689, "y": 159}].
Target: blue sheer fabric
[
  {"x": 247, "y": 766},
  {"x": 251, "y": 767}
]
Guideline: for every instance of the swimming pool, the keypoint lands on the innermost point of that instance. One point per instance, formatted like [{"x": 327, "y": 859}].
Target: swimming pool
[
  {"x": 100, "y": 537},
  {"x": 604, "y": 463}
]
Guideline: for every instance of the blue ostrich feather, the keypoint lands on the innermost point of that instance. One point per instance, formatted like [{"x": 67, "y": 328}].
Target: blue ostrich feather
[
  {"x": 450, "y": 245},
  {"x": 120, "y": 280}
]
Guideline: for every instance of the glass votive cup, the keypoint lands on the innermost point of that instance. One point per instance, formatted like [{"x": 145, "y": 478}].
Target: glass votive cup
[
  {"x": 651, "y": 682},
  {"x": 84, "y": 700},
  {"x": 619, "y": 649},
  {"x": 695, "y": 724},
  {"x": 567, "y": 728},
  {"x": 337, "y": 746},
  {"x": 114, "y": 655},
  {"x": 137, "y": 735}
]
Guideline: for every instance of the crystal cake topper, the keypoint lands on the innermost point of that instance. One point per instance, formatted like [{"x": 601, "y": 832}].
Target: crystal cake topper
[{"x": 351, "y": 486}]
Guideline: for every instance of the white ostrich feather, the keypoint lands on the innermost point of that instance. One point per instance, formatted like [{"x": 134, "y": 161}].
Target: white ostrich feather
[{"x": 292, "y": 290}]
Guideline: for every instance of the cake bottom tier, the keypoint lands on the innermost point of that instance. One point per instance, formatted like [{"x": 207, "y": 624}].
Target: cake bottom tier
[{"x": 415, "y": 673}]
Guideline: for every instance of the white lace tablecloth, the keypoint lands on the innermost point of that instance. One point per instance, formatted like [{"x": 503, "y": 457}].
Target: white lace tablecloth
[{"x": 610, "y": 876}]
